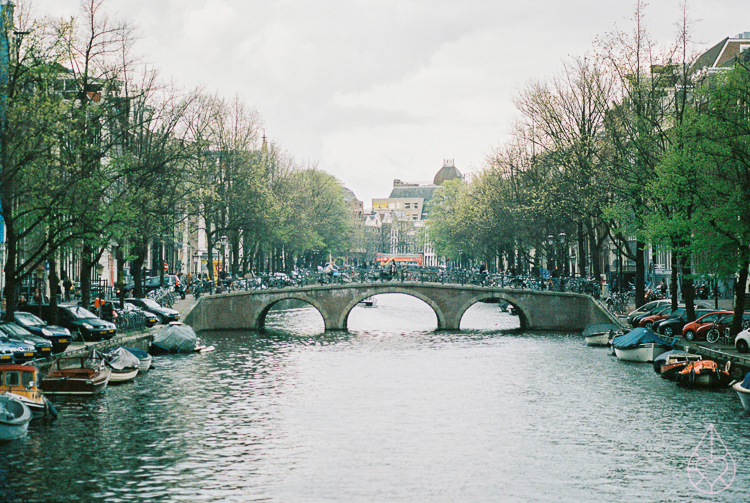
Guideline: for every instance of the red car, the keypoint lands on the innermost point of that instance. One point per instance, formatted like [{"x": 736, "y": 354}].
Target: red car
[
  {"x": 699, "y": 328},
  {"x": 660, "y": 314}
]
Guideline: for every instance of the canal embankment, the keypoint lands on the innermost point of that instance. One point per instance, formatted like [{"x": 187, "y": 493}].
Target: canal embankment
[{"x": 140, "y": 339}]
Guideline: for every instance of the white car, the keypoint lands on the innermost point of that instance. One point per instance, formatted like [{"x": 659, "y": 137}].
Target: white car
[{"x": 742, "y": 341}]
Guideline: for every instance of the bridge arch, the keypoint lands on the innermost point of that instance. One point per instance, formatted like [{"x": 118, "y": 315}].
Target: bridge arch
[
  {"x": 259, "y": 320},
  {"x": 388, "y": 288},
  {"x": 481, "y": 296}
]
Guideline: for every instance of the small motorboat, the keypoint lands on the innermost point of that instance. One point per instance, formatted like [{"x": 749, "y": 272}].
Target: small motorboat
[
  {"x": 77, "y": 375},
  {"x": 639, "y": 345},
  {"x": 123, "y": 365},
  {"x": 144, "y": 358},
  {"x": 670, "y": 363},
  {"x": 600, "y": 334},
  {"x": 369, "y": 302},
  {"x": 704, "y": 374},
  {"x": 743, "y": 391},
  {"x": 22, "y": 380},
  {"x": 174, "y": 338},
  {"x": 14, "y": 417}
]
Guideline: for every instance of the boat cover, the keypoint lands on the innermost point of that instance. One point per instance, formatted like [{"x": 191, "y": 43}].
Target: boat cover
[
  {"x": 636, "y": 337},
  {"x": 598, "y": 328},
  {"x": 138, "y": 353},
  {"x": 176, "y": 338},
  {"x": 121, "y": 359},
  {"x": 746, "y": 383}
]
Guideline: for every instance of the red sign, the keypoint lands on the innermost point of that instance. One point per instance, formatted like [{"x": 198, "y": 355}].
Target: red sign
[{"x": 166, "y": 267}]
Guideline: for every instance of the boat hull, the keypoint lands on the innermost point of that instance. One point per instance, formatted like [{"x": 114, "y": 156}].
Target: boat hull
[
  {"x": 744, "y": 395},
  {"x": 643, "y": 353},
  {"x": 121, "y": 376},
  {"x": 14, "y": 417},
  {"x": 76, "y": 376},
  {"x": 601, "y": 339}
]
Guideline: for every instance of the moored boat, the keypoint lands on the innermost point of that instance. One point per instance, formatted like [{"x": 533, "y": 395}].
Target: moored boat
[
  {"x": 22, "y": 381},
  {"x": 174, "y": 338},
  {"x": 145, "y": 360},
  {"x": 77, "y": 375},
  {"x": 704, "y": 374},
  {"x": 14, "y": 417},
  {"x": 639, "y": 345},
  {"x": 600, "y": 334},
  {"x": 743, "y": 391},
  {"x": 123, "y": 365},
  {"x": 672, "y": 362}
]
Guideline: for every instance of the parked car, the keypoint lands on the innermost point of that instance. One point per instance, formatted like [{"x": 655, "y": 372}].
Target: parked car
[
  {"x": 742, "y": 341},
  {"x": 722, "y": 326},
  {"x": 699, "y": 328},
  {"x": 165, "y": 314},
  {"x": 21, "y": 351},
  {"x": 645, "y": 310},
  {"x": 154, "y": 282},
  {"x": 58, "y": 336},
  {"x": 42, "y": 347},
  {"x": 676, "y": 322},
  {"x": 82, "y": 322},
  {"x": 661, "y": 313}
]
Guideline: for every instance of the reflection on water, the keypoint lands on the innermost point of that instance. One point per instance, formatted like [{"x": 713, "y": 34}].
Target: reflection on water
[{"x": 389, "y": 411}]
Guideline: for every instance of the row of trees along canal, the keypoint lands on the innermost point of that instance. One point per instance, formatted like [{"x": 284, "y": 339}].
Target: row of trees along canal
[
  {"x": 95, "y": 150},
  {"x": 625, "y": 142}
]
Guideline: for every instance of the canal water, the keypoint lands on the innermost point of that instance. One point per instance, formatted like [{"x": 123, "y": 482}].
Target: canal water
[{"x": 389, "y": 411}]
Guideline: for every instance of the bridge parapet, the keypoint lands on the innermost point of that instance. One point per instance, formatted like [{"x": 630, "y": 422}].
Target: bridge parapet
[{"x": 538, "y": 310}]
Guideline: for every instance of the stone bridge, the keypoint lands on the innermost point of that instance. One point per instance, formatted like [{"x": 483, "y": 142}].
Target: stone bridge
[{"x": 537, "y": 310}]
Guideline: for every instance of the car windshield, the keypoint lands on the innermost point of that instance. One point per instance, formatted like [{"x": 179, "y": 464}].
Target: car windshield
[
  {"x": 12, "y": 328},
  {"x": 29, "y": 320},
  {"x": 151, "y": 303},
  {"x": 80, "y": 312}
]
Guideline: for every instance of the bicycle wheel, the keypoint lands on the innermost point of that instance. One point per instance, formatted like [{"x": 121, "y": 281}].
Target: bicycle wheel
[{"x": 713, "y": 335}]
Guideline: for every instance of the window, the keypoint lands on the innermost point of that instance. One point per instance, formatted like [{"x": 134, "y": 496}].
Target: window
[{"x": 12, "y": 379}]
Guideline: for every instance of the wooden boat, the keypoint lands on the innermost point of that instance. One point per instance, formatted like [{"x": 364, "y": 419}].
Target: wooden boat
[
  {"x": 704, "y": 374},
  {"x": 639, "y": 345},
  {"x": 675, "y": 362},
  {"x": 743, "y": 391},
  {"x": 123, "y": 365},
  {"x": 22, "y": 381},
  {"x": 77, "y": 375},
  {"x": 14, "y": 417},
  {"x": 600, "y": 334}
]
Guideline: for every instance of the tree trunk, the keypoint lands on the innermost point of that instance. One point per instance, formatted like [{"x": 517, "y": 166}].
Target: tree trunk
[
  {"x": 688, "y": 292},
  {"x": 739, "y": 299},
  {"x": 581, "y": 252},
  {"x": 54, "y": 289},
  {"x": 673, "y": 286},
  {"x": 11, "y": 275},
  {"x": 640, "y": 274},
  {"x": 86, "y": 275}
]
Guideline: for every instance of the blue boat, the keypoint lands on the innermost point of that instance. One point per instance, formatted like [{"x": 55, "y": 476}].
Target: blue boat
[{"x": 639, "y": 345}]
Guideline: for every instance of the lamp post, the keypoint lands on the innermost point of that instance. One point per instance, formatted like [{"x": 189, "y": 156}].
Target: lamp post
[{"x": 460, "y": 260}]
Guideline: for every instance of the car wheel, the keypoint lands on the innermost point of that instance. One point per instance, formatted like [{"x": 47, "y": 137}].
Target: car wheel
[
  {"x": 690, "y": 335},
  {"x": 162, "y": 321},
  {"x": 649, "y": 325},
  {"x": 668, "y": 332},
  {"x": 742, "y": 346}
]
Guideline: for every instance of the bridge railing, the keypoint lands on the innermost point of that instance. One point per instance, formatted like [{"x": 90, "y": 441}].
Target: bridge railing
[{"x": 302, "y": 278}]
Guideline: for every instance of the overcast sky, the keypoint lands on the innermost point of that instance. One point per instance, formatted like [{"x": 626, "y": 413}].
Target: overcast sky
[{"x": 376, "y": 90}]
